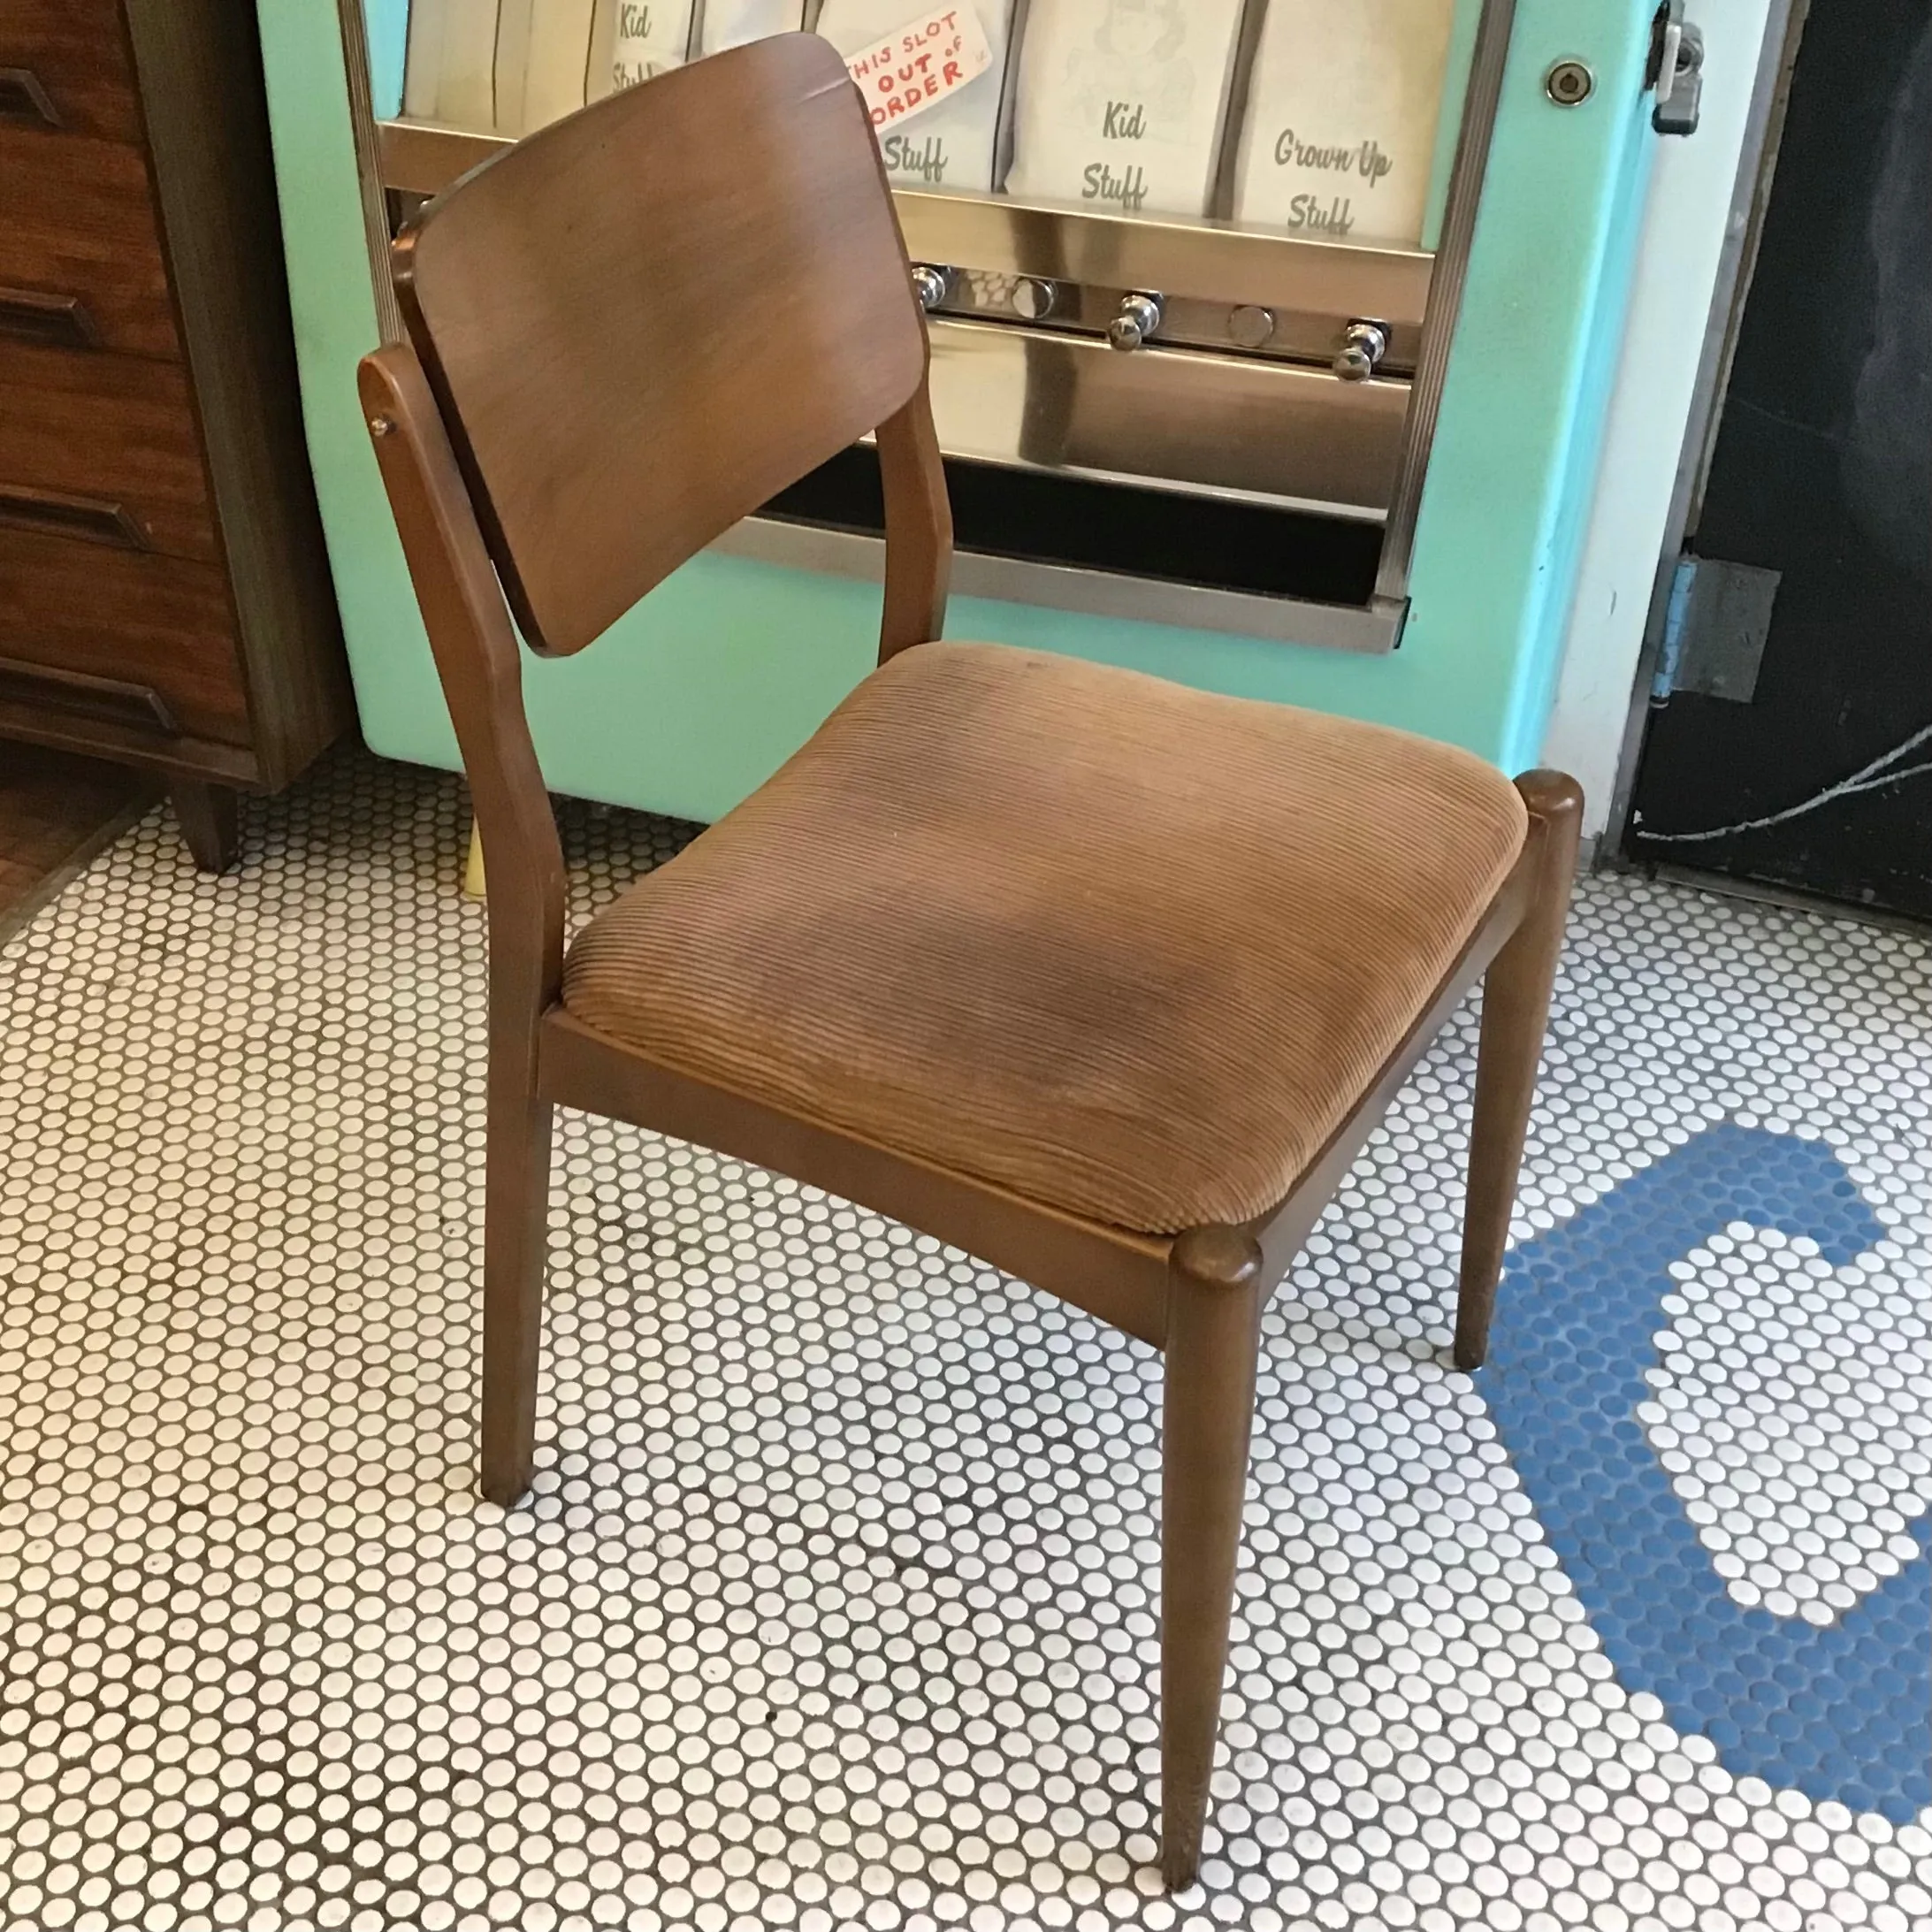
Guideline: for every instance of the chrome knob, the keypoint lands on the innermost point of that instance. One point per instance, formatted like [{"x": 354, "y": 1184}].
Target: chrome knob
[
  {"x": 1364, "y": 345},
  {"x": 1034, "y": 299},
  {"x": 931, "y": 285},
  {"x": 1140, "y": 317},
  {"x": 1251, "y": 327}
]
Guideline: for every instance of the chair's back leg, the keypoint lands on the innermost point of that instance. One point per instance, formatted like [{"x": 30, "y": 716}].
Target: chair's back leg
[
  {"x": 1214, "y": 1297},
  {"x": 1516, "y": 1009},
  {"x": 516, "y": 1220}
]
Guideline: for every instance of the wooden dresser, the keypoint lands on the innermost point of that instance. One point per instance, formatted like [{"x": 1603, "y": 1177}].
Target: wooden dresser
[{"x": 164, "y": 598}]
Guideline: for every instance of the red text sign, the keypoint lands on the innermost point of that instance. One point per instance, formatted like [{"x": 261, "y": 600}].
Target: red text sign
[{"x": 917, "y": 65}]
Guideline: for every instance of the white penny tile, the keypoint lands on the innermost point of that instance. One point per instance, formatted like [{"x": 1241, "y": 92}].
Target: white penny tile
[{"x": 835, "y": 1602}]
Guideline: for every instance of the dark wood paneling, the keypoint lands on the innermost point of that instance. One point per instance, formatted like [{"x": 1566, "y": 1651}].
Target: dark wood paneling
[
  {"x": 77, "y": 53},
  {"x": 79, "y": 220},
  {"x": 116, "y": 428},
  {"x": 201, "y": 67},
  {"x": 27, "y": 722},
  {"x": 53, "y": 807},
  {"x": 144, "y": 620},
  {"x": 164, "y": 593}
]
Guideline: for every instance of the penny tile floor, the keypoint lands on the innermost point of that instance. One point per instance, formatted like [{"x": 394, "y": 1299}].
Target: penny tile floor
[{"x": 834, "y": 1606}]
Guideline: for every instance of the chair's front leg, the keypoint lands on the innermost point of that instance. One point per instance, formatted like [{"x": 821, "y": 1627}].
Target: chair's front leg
[
  {"x": 1516, "y": 1008},
  {"x": 1214, "y": 1298},
  {"x": 516, "y": 1230}
]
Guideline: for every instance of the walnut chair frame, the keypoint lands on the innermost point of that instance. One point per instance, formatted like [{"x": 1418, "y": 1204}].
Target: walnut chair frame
[{"x": 774, "y": 324}]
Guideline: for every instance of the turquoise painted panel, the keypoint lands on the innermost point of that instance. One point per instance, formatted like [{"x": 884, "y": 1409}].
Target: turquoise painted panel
[
  {"x": 1523, "y": 410},
  {"x": 388, "y": 40},
  {"x": 1575, "y": 487},
  {"x": 334, "y": 310},
  {"x": 1455, "y": 76},
  {"x": 695, "y": 696}
]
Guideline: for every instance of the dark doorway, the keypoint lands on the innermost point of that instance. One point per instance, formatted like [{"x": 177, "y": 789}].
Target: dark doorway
[{"x": 1816, "y": 773}]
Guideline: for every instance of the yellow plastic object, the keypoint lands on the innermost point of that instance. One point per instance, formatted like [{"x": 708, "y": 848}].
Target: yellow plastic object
[{"x": 473, "y": 885}]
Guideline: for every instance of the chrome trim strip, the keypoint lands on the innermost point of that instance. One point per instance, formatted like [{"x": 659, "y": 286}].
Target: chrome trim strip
[
  {"x": 421, "y": 157},
  {"x": 1373, "y": 630},
  {"x": 1208, "y": 260},
  {"x": 1185, "y": 418},
  {"x": 371, "y": 161},
  {"x": 1488, "y": 64},
  {"x": 1212, "y": 260}
]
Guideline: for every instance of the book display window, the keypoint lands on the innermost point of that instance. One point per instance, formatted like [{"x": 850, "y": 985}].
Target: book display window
[{"x": 1191, "y": 267}]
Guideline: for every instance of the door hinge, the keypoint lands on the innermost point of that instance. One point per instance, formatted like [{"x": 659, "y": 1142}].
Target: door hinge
[{"x": 1715, "y": 627}]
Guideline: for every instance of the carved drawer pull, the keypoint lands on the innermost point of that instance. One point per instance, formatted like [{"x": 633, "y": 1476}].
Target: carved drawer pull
[
  {"x": 111, "y": 699},
  {"x": 52, "y": 513},
  {"x": 59, "y": 322},
  {"x": 23, "y": 98}
]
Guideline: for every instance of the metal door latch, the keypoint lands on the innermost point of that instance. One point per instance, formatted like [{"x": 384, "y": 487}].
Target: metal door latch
[
  {"x": 1140, "y": 317},
  {"x": 1364, "y": 345},
  {"x": 1676, "y": 74},
  {"x": 931, "y": 284}
]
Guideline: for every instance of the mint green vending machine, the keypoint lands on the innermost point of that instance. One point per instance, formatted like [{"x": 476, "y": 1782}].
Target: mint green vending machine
[{"x": 1271, "y": 347}]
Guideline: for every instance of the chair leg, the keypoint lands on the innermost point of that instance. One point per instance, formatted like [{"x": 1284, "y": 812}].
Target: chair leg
[
  {"x": 515, "y": 1218},
  {"x": 1213, "y": 1333},
  {"x": 1516, "y": 1009}
]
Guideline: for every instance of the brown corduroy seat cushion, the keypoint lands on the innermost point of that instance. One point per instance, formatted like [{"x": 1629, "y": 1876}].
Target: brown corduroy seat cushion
[{"x": 1123, "y": 947}]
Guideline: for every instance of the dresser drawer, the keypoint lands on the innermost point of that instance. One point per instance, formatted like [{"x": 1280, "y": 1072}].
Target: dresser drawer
[
  {"x": 78, "y": 226},
  {"x": 67, "y": 59},
  {"x": 75, "y": 612},
  {"x": 114, "y": 431}
]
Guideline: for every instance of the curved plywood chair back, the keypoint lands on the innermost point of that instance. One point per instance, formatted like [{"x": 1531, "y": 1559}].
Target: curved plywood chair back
[{"x": 644, "y": 322}]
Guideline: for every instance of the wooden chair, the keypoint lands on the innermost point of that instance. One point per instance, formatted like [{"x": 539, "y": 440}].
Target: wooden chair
[{"x": 1101, "y": 979}]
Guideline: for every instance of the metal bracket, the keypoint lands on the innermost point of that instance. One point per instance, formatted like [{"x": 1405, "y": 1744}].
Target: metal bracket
[
  {"x": 1715, "y": 634},
  {"x": 1675, "y": 73}
]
